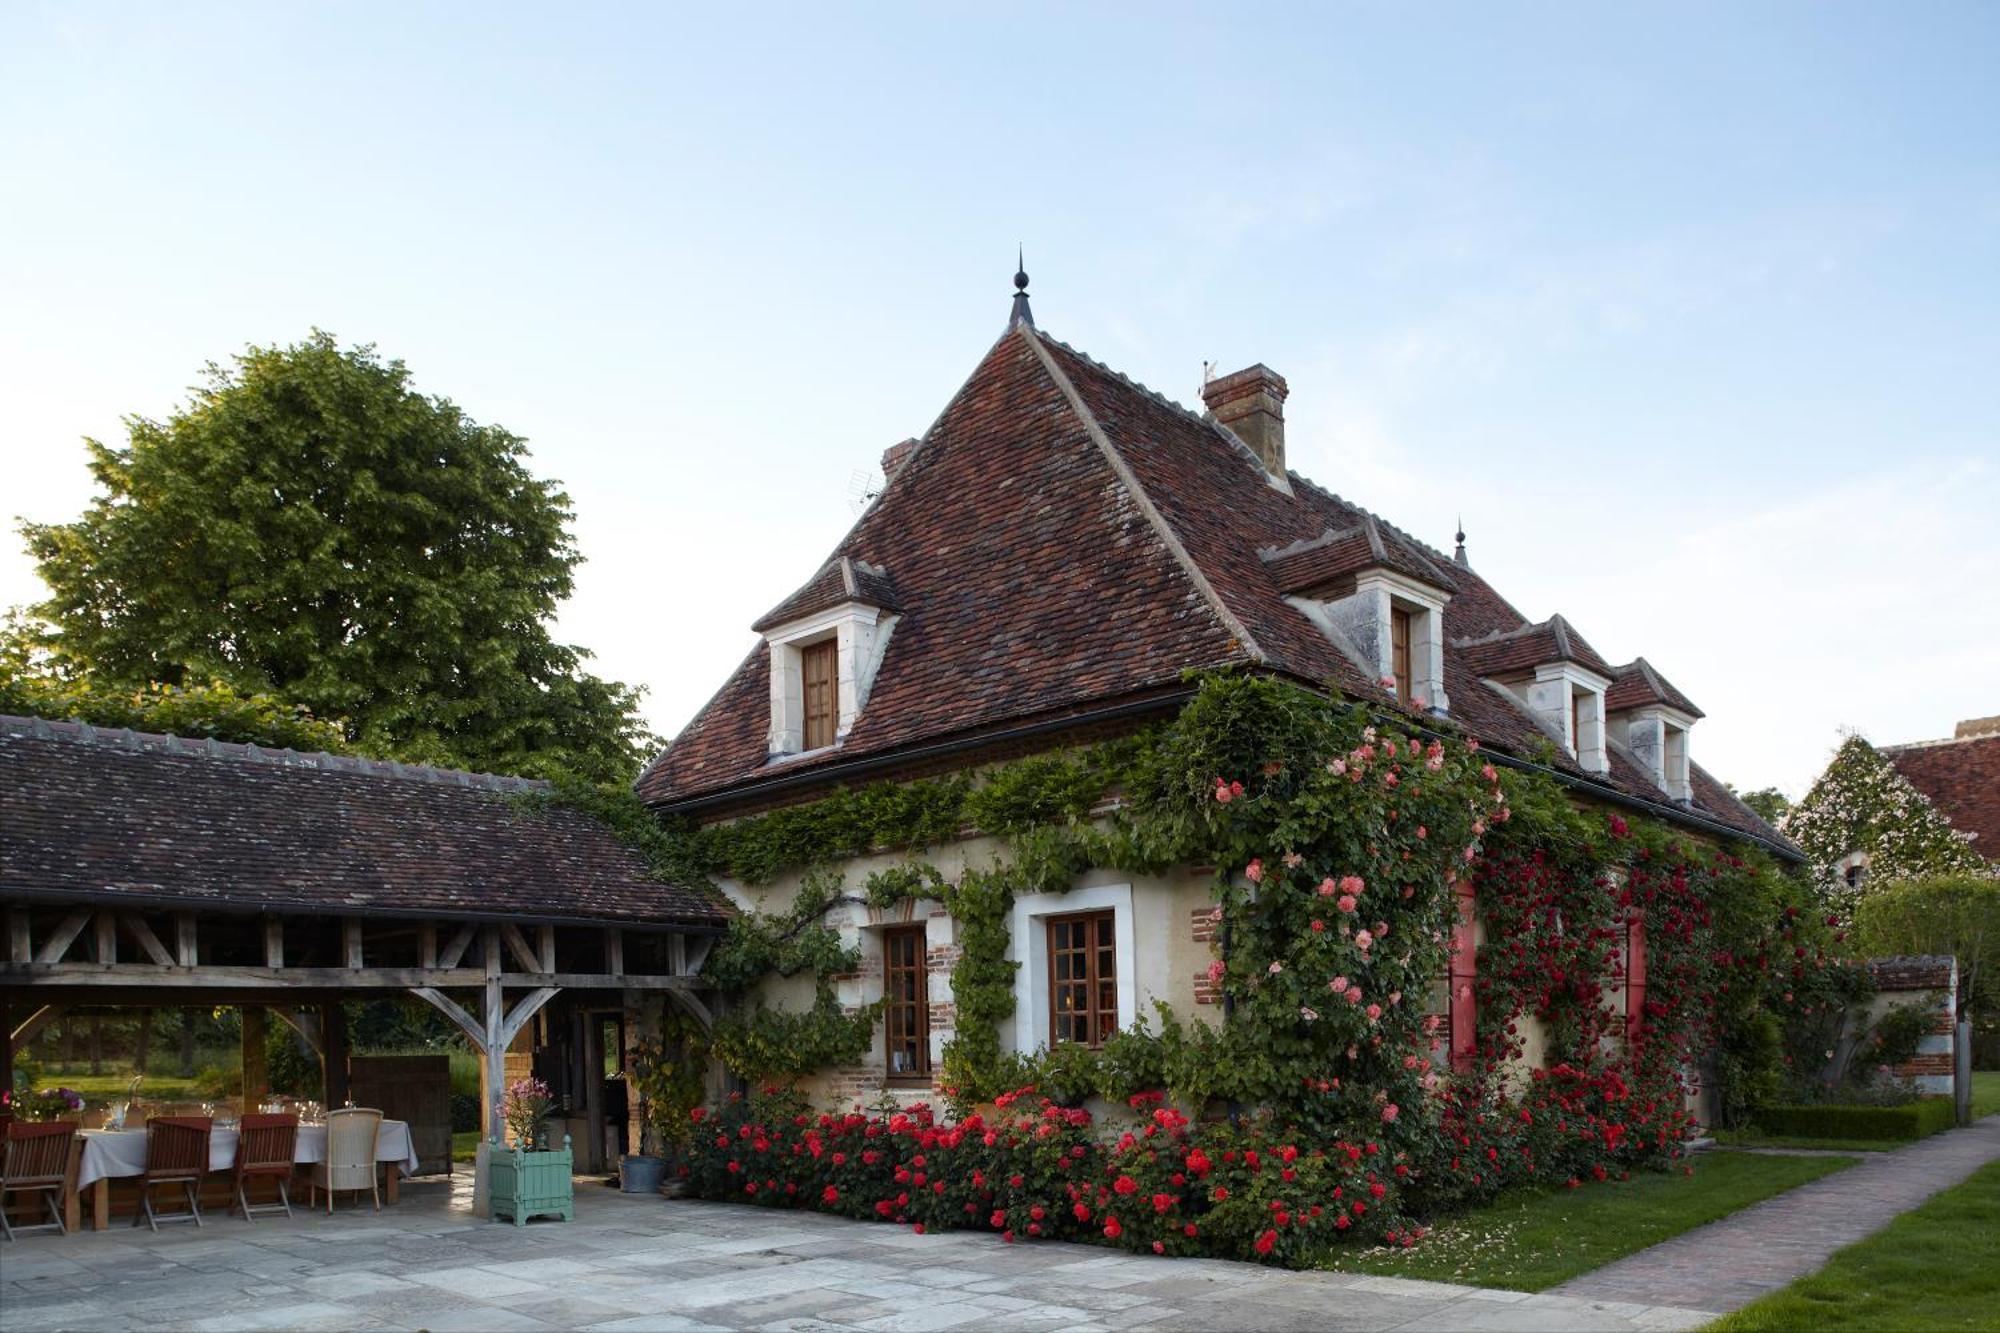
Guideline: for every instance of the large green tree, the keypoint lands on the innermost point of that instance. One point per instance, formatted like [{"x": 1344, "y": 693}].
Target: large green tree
[{"x": 309, "y": 526}]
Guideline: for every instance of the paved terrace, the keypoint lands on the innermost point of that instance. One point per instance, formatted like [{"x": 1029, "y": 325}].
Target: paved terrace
[{"x": 639, "y": 1263}]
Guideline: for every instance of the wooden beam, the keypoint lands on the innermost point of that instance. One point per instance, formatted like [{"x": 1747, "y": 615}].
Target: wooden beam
[
  {"x": 545, "y": 948},
  {"x": 677, "y": 954},
  {"x": 350, "y": 940},
  {"x": 474, "y": 1030},
  {"x": 490, "y": 944},
  {"x": 256, "y": 1079},
  {"x": 614, "y": 950},
  {"x": 185, "y": 946},
  {"x": 306, "y": 1025},
  {"x": 143, "y": 933},
  {"x": 691, "y": 1002},
  {"x": 19, "y": 948},
  {"x": 65, "y": 935},
  {"x": 698, "y": 948},
  {"x": 18, "y": 1039},
  {"x": 274, "y": 941},
  {"x": 333, "y": 1058},
  {"x": 318, "y": 978},
  {"x": 107, "y": 937},
  {"x": 517, "y": 944},
  {"x": 454, "y": 952},
  {"x": 526, "y": 1008},
  {"x": 427, "y": 945}
]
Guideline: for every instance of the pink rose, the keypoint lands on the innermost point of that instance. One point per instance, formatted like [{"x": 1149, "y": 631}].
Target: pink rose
[
  {"x": 1352, "y": 884},
  {"x": 1346, "y": 903}
]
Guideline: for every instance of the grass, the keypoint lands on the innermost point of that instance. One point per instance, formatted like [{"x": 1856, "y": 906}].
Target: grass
[
  {"x": 1935, "y": 1267},
  {"x": 1532, "y": 1240},
  {"x": 464, "y": 1145},
  {"x": 1985, "y": 1092},
  {"x": 1756, "y": 1138}
]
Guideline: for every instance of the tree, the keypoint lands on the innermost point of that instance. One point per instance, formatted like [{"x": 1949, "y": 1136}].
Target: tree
[
  {"x": 310, "y": 527},
  {"x": 1767, "y": 803},
  {"x": 1940, "y": 914}
]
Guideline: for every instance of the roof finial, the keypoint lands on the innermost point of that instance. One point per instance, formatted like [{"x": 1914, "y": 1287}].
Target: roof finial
[
  {"x": 1458, "y": 556},
  {"x": 1021, "y": 314}
]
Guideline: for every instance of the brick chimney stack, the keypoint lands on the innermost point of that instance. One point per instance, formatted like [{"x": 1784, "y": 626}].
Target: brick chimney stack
[{"x": 1251, "y": 403}]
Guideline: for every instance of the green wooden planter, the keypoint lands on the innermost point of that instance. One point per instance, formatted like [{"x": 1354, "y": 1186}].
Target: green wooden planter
[{"x": 531, "y": 1184}]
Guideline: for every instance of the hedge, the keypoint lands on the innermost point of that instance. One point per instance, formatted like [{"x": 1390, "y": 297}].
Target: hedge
[{"x": 1915, "y": 1120}]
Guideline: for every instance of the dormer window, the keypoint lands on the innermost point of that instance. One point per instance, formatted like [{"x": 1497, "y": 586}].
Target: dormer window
[
  {"x": 1399, "y": 650},
  {"x": 1586, "y": 725},
  {"x": 1557, "y": 675},
  {"x": 1652, "y": 720},
  {"x": 826, "y": 642},
  {"x": 820, "y": 678}
]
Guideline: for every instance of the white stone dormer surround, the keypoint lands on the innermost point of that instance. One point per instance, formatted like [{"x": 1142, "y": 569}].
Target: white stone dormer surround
[
  {"x": 1568, "y": 700},
  {"x": 1657, "y": 737},
  {"x": 862, "y": 634},
  {"x": 1361, "y": 621}
]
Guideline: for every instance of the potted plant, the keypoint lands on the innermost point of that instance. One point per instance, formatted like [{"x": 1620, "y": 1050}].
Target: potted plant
[
  {"x": 48, "y": 1104},
  {"x": 525, "y": 1181},
  {"x": 668, "y": 1073}
]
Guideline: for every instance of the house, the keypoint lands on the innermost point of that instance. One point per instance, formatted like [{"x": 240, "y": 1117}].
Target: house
[
  {"x": 1961, "y": 776},
  {"x": 1043, "y": 567}
]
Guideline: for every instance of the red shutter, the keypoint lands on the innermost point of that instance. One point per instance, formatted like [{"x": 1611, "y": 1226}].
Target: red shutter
[
  {"x": 1635, "y": 977},
  {"x": 1464, "y": 1002}
]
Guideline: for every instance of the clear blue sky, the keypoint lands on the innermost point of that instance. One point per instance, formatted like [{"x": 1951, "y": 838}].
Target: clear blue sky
[{"x": 1690, "y": 310}]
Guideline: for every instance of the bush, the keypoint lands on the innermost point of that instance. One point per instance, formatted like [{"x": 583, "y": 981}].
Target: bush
[{"x": 1915, "y": 1120}]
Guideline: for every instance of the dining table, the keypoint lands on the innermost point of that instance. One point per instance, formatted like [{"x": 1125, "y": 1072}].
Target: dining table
[{"x": 106, "y": 1154}]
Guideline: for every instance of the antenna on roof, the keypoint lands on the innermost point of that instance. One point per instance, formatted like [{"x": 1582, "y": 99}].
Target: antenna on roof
[
  {"x": 1458, "y": 556},
  {"x": 1021, "y": 314},
  {"x": 863, "y": 486}
]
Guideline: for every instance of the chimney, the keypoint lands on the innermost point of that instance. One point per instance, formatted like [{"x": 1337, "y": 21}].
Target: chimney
[
  {"x": 1251, "y": 403},
  {"x": 893, "y": 456}
]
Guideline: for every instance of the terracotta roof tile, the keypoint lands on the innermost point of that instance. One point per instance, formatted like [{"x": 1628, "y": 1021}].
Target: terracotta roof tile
[
  {"x": 91, "y": 811},
  {"x": 1637, "y": 684},
  {"x": 1962, "y": 778},
  {"x": 840, "y": 580},
  {"x": 1518, "y": 649}
]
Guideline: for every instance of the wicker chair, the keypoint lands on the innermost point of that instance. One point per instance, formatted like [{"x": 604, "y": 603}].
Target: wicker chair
[
  {"x": 264, "y": 1149},
  {"x": 36, "y": 1161},
  {"x": 350, "y": 1155},
  {"x": 176, "y": 1154}
]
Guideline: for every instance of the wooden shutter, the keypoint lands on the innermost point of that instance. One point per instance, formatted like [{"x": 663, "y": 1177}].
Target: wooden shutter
[
  {"x": 1635, "y": 977},
  {"x": 1399, "y": 651},
  {"x": 906, "y": 1020},
  {"x": 821, "y": 673},
  {"x": 1464, "y": 1009},
  {"x": 1083, "y": 978}
]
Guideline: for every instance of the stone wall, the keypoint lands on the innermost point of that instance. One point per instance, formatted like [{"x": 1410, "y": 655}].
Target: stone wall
[{"x": 1932, "y": 983}]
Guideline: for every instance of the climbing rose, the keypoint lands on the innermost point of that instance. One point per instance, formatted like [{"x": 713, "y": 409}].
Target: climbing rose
[
  {"x": 1346, "y": 903},
  {"x": 1266, "y": 1241},
  {"x": 1389, "y": 1113},
  {"x": 1254, "y": 872},
  {"x": 1352, "y": 884}
]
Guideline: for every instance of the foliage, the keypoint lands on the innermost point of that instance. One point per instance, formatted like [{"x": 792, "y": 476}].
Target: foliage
[
  {"x": 1035, "y": 1169},
  {"x": 524, "y": 1106},
  {"x": 669, "y": 1072},
  {"x": 45, "y": 1103},
  {"x": 1936, "y": 1267},
  {"x": 1767, "y": 803},
  {"x": 1897, "y": 1034},
  {"x": 311, "y": 528},
  {"x": 1939, "y": 914},
  {"x": 1862, "y": 804},
  {"x": 1911, "y": 1120},
  {"x": 1533, "y": 1239}
]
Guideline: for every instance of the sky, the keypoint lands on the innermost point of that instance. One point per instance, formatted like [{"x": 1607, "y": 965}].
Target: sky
[{"x": 1689, "y": 310}]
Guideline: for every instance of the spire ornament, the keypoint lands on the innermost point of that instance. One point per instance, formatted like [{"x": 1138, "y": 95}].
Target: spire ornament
[
  {"x": 1021, "y": 314},
  {"x": 1458, "y": 556}
]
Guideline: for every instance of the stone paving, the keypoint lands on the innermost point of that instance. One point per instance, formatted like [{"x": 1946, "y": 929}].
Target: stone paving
[
  {"x": 1727, "y": 1264},
  {"x": 645, "y": 1263}
]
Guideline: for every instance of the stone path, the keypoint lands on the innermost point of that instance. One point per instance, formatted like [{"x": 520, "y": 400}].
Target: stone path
[
  {"x": 644, "y": 1263},
  {"x": 1727, "y": 1264}
]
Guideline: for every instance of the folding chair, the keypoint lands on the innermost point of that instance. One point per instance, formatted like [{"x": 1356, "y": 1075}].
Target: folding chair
[
  {"x": 264, "y": 1148},
  {"x": 176, "y": 1154},
  {"x": 36, "y": 1161}
]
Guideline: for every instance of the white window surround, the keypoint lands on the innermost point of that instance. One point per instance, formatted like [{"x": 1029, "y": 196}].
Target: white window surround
[
  {"x": 862, "y": 632},
  {"x": 1361, "y": 622},
  {"x": 1548, "y": 695},
  {"x": 1031, "y": 950},
  {"x": 1657, "y": 737}
]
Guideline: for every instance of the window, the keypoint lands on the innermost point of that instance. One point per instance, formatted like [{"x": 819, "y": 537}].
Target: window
[
  {"x": 1083, "y": 978},
  {"x": 820, "y": 670},
  {"x": 906, "y": 1019},
  {"x": 1855, "y": 874},
  {"x": 1399, "y": 651},
  {"x": 1575, "y": 720}
]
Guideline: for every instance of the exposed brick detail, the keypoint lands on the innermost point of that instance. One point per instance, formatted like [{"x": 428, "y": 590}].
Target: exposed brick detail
[
  {"x": 1939, "y": 1063},
  {"x": 1206, "y": 991},
  {"x": 1905, "y": 974},
  {"x": 943, "y": 1017},
  {"x": 1205, "y": 921}
]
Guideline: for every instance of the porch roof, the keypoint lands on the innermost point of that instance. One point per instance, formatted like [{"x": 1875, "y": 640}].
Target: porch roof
[{"x": 127, "y": 817}]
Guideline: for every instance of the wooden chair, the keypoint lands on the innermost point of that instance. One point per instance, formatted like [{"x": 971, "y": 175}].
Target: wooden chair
[
  {"x": 176, "y": 1154},
  {"x": 264, "y": 1149},
  {"x": 350, "y": 1155},
  {"x": 36, "y": 1161}
]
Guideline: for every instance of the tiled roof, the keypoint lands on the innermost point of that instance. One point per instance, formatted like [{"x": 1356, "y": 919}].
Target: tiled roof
[
  {"x": 841, "y": 579},
  {"x": 1062, "y": 538},
  {"x": 1962, "y": 778},
  {"x": 1526, "y": 646},
  {"x": 92, "y": 812},
  {"x": 1637, "y": 684}
]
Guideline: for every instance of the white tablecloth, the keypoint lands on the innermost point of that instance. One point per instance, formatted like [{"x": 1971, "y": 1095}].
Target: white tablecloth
[{"x": 122, "y": 1152}]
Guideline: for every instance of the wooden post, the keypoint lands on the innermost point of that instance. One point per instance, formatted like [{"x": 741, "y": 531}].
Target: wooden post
[
  {"x": 256, "y": 1078},
  {"x": 6, "y": 1045},
  {"x": 333, "y": 1032}
]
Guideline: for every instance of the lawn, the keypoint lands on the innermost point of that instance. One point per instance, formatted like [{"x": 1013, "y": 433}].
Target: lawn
[
  {"x": 1985, "y": 1092},
  {"x": 1985, "y": 1101},
  {"x": 1533, "y": 1240},
  {"x": 1936, "y": 1267}
]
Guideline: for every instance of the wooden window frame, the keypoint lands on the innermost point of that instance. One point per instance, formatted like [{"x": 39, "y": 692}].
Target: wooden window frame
[
  {"x": 917, "y": 1007},
  {"x": 1100, "y": 1021},
  {"x": 817, "y": 730},
  {"x": 1402, "y": 635}
]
